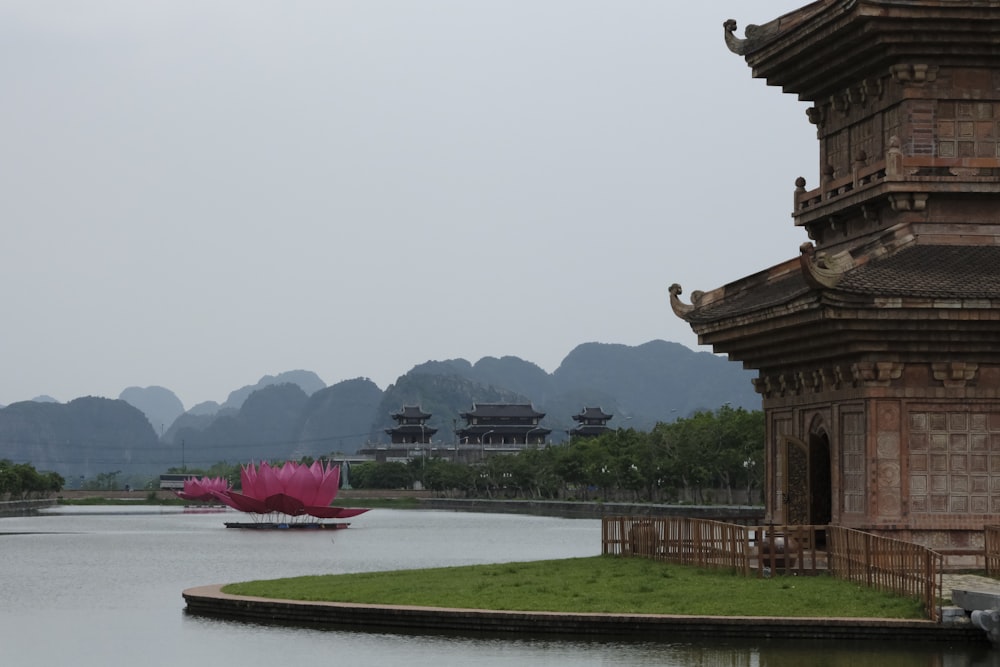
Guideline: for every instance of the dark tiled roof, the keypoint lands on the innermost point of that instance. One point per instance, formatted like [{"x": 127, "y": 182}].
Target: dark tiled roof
[
  {"x": 749, "y": 298},
  {"x": 487, "y": 410},
  {"x": 411, "y": 412},
  {"x": 592, "y": 413},
  {"x": 936, "y": 271},
  {"x": 928, "y": 271},
  {"x": 412, "y": 428}
]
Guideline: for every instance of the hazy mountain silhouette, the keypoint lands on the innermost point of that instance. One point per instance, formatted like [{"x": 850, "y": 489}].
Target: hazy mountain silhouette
[
  {"x": 293, "y": 415},
  {"x": 308, "y": 381},
  {"x": 338, "y": 418},
  {"x": 263, "y": 428},
  {"x": 161, "y": 406},
  {"x": 84, "y": 437}
]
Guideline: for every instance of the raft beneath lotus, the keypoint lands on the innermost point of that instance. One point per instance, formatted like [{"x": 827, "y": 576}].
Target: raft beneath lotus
[{"x": 287, "y": 526}]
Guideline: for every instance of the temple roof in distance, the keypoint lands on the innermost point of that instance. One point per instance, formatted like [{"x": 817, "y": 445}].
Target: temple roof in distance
[
  {"x": 501, "y": 410},
  {"x": 592, "y": 414},
  {"x": 411, "y": 412}
]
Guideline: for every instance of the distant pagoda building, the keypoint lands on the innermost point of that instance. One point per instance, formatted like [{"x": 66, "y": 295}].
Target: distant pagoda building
[
  {"x": 590, "y": 422},
  {"x": 410, "y": 426},
  {"x": 878, "y": 347},
  {"x": 502, "y": 426}
]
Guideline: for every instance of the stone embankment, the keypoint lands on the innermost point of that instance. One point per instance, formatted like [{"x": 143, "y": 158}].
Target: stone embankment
[
  {"x": 211, "y": 601},
  {"x": 24, "y": 507}
]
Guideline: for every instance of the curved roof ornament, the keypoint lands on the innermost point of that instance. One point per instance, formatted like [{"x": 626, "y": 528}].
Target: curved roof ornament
[
  {"x": 680, "y": 308},
  {"x": 821, "y": 270},
  {"x": 755, "y": 36},
  {"x": 735, "y": 44}
]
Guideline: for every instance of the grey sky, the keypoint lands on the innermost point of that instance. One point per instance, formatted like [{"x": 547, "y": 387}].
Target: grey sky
[{"x": 197, "y": 193}]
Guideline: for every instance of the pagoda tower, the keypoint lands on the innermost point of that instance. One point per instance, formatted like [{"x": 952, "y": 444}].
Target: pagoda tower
[
  {"x": 878, "y": 346},
  {"x": 590, "y": 422},
  {"x": 411, "y": 426}
]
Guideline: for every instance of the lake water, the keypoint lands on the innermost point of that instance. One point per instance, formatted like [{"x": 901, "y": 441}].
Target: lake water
[{"x": 102, "y": 586}]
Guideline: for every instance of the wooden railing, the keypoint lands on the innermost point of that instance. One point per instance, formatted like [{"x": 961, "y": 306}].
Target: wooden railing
[
  {"x": 697, "y": 542},
  {"x": 858, "y": 179},
  {"x": 782, "y": 549},
  {"x": 876, "y": 562},
  {"x": 991, "y": 549},
  {"x": 886, "y": 564},
  {"x": 763, "y": 550},
  {"x": 902, "y": 167}
]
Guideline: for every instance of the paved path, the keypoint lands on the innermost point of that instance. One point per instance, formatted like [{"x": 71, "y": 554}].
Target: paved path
[{"x": 969, "y": 582}]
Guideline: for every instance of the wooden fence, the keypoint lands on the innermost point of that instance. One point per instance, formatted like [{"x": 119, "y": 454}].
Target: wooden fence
[
  {"x": 887, "y": 565},
  {"x": 877, "y": 562},
  {"x": 764, "y": 550},
  {"x": 991, "y": 547}
]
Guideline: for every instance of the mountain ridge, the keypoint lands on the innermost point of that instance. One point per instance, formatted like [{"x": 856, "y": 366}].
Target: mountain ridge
[{"x": 292, "y": 414}]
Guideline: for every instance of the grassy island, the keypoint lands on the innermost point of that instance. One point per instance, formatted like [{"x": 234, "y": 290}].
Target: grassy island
[{"x": 602, "y": 584}]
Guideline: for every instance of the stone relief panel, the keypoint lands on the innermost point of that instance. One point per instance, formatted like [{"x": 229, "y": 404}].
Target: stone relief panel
[
  {"x": 887, "y": 450},
  {"x": 954, "y": 462},
  {"x": 967, "y": 129}
]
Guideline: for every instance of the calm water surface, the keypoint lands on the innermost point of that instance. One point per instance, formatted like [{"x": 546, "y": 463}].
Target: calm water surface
[{"x": 100, "y": 586}]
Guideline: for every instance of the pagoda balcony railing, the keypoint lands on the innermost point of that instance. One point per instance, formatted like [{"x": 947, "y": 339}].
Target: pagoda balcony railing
[{"x": 899, "y": 173}]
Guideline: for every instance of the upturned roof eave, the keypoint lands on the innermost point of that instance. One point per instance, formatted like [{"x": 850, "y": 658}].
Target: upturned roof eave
[
  {"x": 705, "y": 302},
  {"x": 826, "y": 45}
]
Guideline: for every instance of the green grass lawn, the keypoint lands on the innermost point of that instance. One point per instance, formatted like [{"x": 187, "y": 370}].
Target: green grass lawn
[{"x": 604, "y": 584}]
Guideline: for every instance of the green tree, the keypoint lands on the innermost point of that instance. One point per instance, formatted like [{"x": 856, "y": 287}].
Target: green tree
[{"x": 375, "y": 475}]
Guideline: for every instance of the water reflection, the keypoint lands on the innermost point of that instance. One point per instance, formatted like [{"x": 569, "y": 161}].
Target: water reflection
[{"x": 98, "y": 586}]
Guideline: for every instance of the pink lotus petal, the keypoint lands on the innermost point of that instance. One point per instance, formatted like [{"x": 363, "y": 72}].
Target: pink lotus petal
[
  {"x": 248, "y": 480},
  {"x": 346, "y": 512},
  {"x": 225, "y": 499},
  {"x": 268, "y": 482},
  {"x": 201, "y": 489},
  {"x": 285, "y": 504},
  {"x": 334, "y": 512},
  {"x": 304, "y": 485},
  {"x": 246, "y": 503},
  {"x": 328, "y": 486},
  {"x": 292, "y": 488}
]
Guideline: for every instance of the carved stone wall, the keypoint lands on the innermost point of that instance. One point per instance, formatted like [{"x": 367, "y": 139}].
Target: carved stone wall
[
  {"x": 940, "y": 112},
  {"x": 954, "y": 461},
  {"x": 888, "y": 486},
  {"x": 967, "y": 129}
]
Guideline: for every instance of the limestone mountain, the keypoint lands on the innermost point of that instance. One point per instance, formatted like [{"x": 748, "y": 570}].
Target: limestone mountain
[
  {"x": 338, "y": 418},
  {"x": 308, "y": 381},
  {"x": 292, "y": 414},
  {"x": 264, "y": 427},
  {"x": 84, "y": 437},
  {"x": 160, "y": 405}
]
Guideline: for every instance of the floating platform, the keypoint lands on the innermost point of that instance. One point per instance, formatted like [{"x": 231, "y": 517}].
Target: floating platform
[{"x": 287, "y": 526}]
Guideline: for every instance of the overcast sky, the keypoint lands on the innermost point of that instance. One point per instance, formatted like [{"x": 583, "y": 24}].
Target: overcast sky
[{"x": 196, "y": 193}]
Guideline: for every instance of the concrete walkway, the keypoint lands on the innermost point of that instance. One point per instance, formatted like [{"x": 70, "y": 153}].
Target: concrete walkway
[{"x": 969, "y": 582}]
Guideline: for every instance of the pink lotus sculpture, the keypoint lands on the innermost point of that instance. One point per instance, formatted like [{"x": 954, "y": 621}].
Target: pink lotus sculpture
[
  {"x": 293, "y": 489},
  {"x": 203, "y": 489}
]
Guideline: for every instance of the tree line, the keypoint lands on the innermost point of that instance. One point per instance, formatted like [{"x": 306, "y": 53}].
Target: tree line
[
  {"x": 704, "y": 458},
  {"x": 708, "y": 457},
  {"x": 20, "y": 481}
]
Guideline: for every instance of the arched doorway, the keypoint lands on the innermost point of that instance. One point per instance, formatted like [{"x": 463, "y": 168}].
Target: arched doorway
[
  {"x": 808, "y": 492},
  {"x": 820, "y": 479}
]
